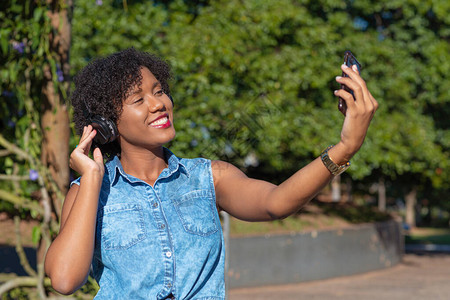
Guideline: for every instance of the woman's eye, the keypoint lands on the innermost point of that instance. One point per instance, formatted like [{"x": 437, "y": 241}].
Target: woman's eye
[
  {"x": 160, "y": 92},
  {"x": 138, "y": 100}
]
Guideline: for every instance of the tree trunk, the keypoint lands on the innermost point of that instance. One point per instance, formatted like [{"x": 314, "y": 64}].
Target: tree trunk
[
  {"x": 381, "y": 194},
  {"x": 336, "y": 189},
  {"x": 410, "y": 214},
  {"x": 55, "y": 116},
  {"x": 349, "y": 189},
  {"x": 54, "y": 111}
]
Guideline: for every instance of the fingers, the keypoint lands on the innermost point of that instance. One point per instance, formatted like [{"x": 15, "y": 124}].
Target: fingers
[
  {"x": 98, "y": 157},
  {"x": 374, "y": 102},
  {"x": 79, "y": 158},
  {"x": 363, "y": 98},
  {"x": 84, "y": 145},
  {"x": 355, "y": 68},
  {"x": 352, "y": 72},
  {"x": 347, "y": 97},
  {"x": 86, "y": 139},
  {"x": 354, "y": 80},
  {"x": 357, "y": 89}
]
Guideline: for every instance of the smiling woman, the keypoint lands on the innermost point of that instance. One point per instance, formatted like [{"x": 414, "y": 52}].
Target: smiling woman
[
  {"x": 105, "y": 84},
  {"x": 145, "y": 202},
  {"x": 147, "y": 116}
]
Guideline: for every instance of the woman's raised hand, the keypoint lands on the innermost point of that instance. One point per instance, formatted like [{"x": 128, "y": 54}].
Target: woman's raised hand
[
  {"x": 79, "y": 158},
  {"x": 360, "y": 109}
]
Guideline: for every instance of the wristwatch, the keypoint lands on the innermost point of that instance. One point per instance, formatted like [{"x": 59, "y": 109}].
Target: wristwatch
[{"x": 334, "y": 169}]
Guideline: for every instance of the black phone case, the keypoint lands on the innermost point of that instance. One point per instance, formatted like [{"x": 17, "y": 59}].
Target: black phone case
[{"x": 349, "y": 60}]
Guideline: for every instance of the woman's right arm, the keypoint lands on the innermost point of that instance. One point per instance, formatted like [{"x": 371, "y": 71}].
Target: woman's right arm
[{"x": 69, "y": 257}]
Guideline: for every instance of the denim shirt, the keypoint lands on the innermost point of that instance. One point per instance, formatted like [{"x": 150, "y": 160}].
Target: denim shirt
[{"x": 162, "y": 241}]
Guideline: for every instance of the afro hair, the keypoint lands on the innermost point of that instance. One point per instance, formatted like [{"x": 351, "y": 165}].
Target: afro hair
[{"x": 103, "y": 85}]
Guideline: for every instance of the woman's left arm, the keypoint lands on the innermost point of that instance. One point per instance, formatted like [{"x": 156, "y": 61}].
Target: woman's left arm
[{"x": 257, "y": 200}]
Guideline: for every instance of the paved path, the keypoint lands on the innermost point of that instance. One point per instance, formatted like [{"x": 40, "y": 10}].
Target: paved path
[{"x": 417, "y": 277}]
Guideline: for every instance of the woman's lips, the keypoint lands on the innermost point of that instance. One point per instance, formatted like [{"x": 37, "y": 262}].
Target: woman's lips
[{"x": 163, "y": 122}]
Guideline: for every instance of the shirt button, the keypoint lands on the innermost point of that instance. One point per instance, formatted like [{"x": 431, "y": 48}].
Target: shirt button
[
  {"x": 169, "y": 254},
  {"x": 163, "y": 226},
  {"x": 155, "y": 204},
  {"x": 169, "y": 285}
]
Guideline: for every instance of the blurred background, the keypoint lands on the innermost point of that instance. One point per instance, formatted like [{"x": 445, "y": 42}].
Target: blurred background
[{"x": 253, "y": 85}]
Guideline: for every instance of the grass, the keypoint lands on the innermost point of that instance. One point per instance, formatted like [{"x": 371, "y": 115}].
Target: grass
[
  {"x": 438, "y": 236},
  {"x": 318, "y": 216},
  {"x": 241, "y": 228}
]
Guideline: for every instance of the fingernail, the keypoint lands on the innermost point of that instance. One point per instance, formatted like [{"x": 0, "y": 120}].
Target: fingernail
[
  {"x": 344, "y": 66},
  {"x": 354, "y": 68},
  {"x": 336, "y": 91},
  {"x": 338, "y": 77}
]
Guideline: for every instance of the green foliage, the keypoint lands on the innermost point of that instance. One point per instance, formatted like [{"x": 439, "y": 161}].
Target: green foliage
[
  {"x": 19, "y": 294},
  {"x": 256, "y": 77},
  {"x": 27, "y": 64},
  {"x": 355, "y": 213},
  {"x": 437, "y": 236},
  {"x": 23, "y": 58},
  {"x": 318, "y": 216}
]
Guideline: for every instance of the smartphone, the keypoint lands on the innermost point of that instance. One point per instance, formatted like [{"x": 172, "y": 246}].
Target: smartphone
[{"x": 349, "y": 60}]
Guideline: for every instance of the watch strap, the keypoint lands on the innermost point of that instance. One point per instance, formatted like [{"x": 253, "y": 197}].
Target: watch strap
[{"x": 334, "y": 168}]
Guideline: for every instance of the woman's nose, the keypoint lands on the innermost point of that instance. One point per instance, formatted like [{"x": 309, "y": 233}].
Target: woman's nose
[{"x": 155, "y": 104}]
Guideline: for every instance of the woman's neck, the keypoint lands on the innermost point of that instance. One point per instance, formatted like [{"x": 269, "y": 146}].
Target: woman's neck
[{"x": 144, "y": 164}]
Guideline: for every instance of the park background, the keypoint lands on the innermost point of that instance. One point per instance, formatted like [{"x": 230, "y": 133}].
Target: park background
[{"x": 253, "y": 84}]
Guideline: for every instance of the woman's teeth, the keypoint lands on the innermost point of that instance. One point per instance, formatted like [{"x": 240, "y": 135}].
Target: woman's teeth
[{"x": 159, "y": 121}]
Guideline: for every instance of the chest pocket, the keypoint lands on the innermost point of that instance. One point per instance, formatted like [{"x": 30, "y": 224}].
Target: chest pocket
[
  {"x": 120, "y": 226},
  {"x": 196, "y": 212}
]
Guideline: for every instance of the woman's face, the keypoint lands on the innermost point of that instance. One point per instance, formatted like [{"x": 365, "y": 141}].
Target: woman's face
[{"x": 146, "y": 120}]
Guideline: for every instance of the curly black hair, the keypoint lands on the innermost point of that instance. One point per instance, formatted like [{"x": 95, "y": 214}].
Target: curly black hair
[{"x": 103, "y": 85}]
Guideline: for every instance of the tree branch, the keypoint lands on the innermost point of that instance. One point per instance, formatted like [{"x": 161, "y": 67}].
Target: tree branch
[
  {"x": 14, "y": 149},
  {"x": 11, "y": 148},
  {"x": 19, "y": 249},
  {"x": 23, "y": 202},
  {"x": 5, "y": 152},
  {"x": 14, "y": 177},
  {"x": 21, "y": 281}
]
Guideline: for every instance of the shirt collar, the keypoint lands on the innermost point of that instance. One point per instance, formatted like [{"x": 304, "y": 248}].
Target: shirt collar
[{"x": 115, "y": 168}]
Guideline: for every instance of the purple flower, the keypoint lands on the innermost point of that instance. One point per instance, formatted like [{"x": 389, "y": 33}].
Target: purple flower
[
  {"x": 19, "y": 47},
  {"x": 7, "y": 94},
  {"x": 98, "y": 2},
  {"x": 34, "y": 175},
  {"x": 60, "y": 74},
  {"x": 11, "y": 123},
  {"x": 194, "y": 143}
]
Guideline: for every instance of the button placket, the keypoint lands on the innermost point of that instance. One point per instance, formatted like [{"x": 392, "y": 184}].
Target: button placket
[{"x": 165, "y": 239}]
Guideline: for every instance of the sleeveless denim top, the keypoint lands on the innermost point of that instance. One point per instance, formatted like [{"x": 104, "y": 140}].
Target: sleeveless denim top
[{"x": 160, "y": 242}]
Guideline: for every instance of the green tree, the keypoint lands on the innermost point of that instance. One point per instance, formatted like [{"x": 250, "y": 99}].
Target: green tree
[
  {"x": 412, "y": 140},
  {"x": 34, "y": 41},
  {"x": 256, "y": 78}
]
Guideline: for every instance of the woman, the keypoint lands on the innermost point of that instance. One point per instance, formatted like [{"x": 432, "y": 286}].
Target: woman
[{"x": 146, "y": 220}]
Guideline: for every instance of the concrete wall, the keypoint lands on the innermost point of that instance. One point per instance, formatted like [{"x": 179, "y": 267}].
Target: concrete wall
[{"x": 299, "y": 257}]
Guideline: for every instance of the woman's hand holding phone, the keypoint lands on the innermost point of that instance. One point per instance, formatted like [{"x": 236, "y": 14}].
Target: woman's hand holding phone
[
  {"x": 359, "y": 107},
  {"x": 350, "y": 61}
]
